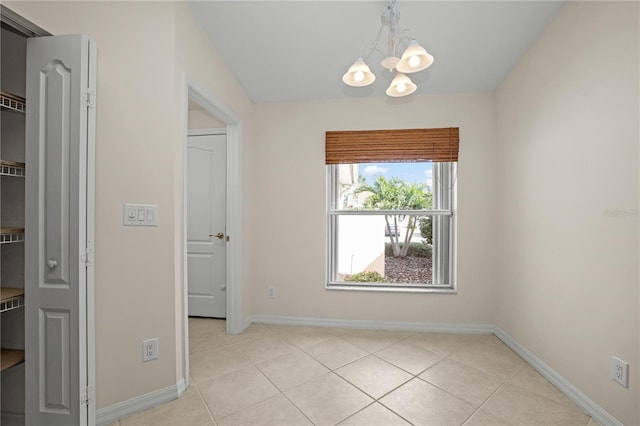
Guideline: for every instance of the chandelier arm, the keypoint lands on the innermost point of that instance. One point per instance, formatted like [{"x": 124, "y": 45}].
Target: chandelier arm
[
  {"x": 372, "y": 46},
  {"x": 403, "y": 38},
  {"x": 406, "y": 33},
  {"x": 375, "y": 46}
]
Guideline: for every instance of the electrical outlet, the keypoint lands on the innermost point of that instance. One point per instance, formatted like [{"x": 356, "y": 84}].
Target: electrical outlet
[
  {"x": 271, "y": 292},
  {"x": 150, "y": 349},
  {"x": 620, "y": 371}
]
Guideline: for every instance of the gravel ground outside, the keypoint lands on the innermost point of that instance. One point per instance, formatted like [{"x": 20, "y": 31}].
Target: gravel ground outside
[{"x": 408, "y": 269}]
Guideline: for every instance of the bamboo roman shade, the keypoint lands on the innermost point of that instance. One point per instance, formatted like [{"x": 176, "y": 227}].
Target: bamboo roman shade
[{"x": 371, "y": 146}]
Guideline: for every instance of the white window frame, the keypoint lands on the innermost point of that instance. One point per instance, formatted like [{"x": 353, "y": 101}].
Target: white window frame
[{"x": 444, "y": 233}]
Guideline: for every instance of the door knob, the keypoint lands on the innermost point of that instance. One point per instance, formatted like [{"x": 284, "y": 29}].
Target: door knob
[
  {"x": 52, "y": 263},
  {"x": 219, "y": 235}
]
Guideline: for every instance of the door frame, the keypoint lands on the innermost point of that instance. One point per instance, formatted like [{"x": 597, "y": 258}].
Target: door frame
[{"x": 234, "y": 131}]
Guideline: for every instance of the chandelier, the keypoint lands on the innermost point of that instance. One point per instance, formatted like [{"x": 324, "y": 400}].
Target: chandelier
[{"x": 415, "y": 58}]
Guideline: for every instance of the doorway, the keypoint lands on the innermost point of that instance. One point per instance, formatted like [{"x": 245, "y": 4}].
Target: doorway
[{"x": 235, "y": 324}]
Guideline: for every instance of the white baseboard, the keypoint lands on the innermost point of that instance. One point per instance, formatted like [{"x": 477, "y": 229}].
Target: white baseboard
[
  {"x": 11, "y": 419},
  {"x": 580, "y": 399},
  {"x": 375, "y": 325},
  {"x": 246, "y": 323},
  {"x": 108, "y": 415},
  {"x": 599, "y": 414}
]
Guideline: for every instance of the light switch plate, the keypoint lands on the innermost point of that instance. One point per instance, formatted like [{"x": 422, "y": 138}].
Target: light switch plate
[{"x": 140, "y": 215}]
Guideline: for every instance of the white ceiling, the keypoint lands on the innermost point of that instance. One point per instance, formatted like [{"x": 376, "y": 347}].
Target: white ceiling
[{"x": 299, "y": 50}]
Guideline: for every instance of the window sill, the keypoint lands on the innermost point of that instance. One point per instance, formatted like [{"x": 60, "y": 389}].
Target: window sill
[{"x": 391, "y": 289}]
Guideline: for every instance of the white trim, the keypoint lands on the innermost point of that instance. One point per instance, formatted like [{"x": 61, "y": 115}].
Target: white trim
[
  {"x": 443, "y": 221},
  {"x": 246, "y": 323},
  {"x": 219, "y": 110},
  {"x": 115, "y": 412},
  {"x": 234, "y": 133},
  {"x": 185, "y": 290},
  {"x": 90, "y": 307},
  {"x": 375, "y": 325},
  {"x": 110, "y": 414},
  {"x": 207, "y": 132},
  {"x": 24, "y": 26},
  {"x": 598, "y": 413}
]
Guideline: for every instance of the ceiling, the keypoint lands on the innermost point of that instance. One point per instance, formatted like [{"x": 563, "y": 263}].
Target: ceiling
[{"x": 299, "y": 50}]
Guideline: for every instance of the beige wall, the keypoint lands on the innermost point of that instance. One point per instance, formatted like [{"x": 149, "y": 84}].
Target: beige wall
[
  {"x": 567, "y": 271},
  {"x": 198, "y": 60},
  {"x": 136, "y": 124},
  {"x": 287, "y": 243},
  {"x": 199, "y": 119},
  {"x": 568, "y": 143},
  {"x": 144, "y": 51}
]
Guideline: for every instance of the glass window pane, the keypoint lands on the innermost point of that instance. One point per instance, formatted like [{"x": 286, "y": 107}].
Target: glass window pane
[
  {"x": 403, "y": 186},
  {"x": 385, "y": 250}
]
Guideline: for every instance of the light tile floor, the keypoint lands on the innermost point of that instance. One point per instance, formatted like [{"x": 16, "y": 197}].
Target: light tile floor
[{"x": 283, "y": 375}]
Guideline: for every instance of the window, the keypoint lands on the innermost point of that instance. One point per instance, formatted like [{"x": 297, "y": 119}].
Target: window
[{"x": 391, "y": 209}]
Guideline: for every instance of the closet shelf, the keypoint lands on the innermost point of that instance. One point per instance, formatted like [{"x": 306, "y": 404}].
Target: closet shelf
[
  {"x": 11, "y": 357},
  {"x": 11, "y": 298},
  {"x": 12, "y": 102},
  {"x": 11, "y": 168},
  {"x": 11, "y": 235}
]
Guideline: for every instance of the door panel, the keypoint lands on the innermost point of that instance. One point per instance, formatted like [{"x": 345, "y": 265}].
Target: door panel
[
  {"x": 56, "y": 362},
  {"x": 57, "y": 144},
  {"x": 199, "y": 272},
  {"x": 206, "y": 210},
  {"x": 55, "y": 91}
]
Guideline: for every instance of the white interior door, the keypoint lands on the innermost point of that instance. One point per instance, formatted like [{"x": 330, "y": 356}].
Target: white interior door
[
  {"x": 60, "y": 135},
  {"x": 206, "y": 225}
]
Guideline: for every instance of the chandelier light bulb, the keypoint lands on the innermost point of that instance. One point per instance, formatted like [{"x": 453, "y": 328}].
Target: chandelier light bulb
[
  {"x": 358, "y": 75},
  {"x": 414, "y": 59},
  {"x": 401, "y": 86}
]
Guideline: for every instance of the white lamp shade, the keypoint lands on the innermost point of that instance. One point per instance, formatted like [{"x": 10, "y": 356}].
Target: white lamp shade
[
  {"x": 401, "y": 86},
  {"x": 359, "y": 74},
  {"x": 415, "y": 58}
]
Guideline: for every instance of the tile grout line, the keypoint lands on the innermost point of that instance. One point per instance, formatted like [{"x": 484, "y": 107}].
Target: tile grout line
[
  {"x": 405, "y": 339},
  {"x": 413, "y": 376},
  {"x": 334, "y": 371},
  {"x": 375, "y": 400},
  {"x": 206, "y": 406},
  {"x": 492, "y": 394},
  {"x": 447, "y": 356},
  {"x": 275, "y": 386}
]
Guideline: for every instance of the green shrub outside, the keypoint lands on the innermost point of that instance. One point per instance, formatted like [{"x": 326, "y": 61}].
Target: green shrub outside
[
  {"x": 426, "y": 229},
  {"x": 366, "y": 277},
  {"x": 415, "y": 250}
]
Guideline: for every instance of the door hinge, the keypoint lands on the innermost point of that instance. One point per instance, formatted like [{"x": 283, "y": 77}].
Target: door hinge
[
  {"x": 87, "y": 396},
  {"x": 90, "y": 98},
  {"x": 86, "y": 257}
]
